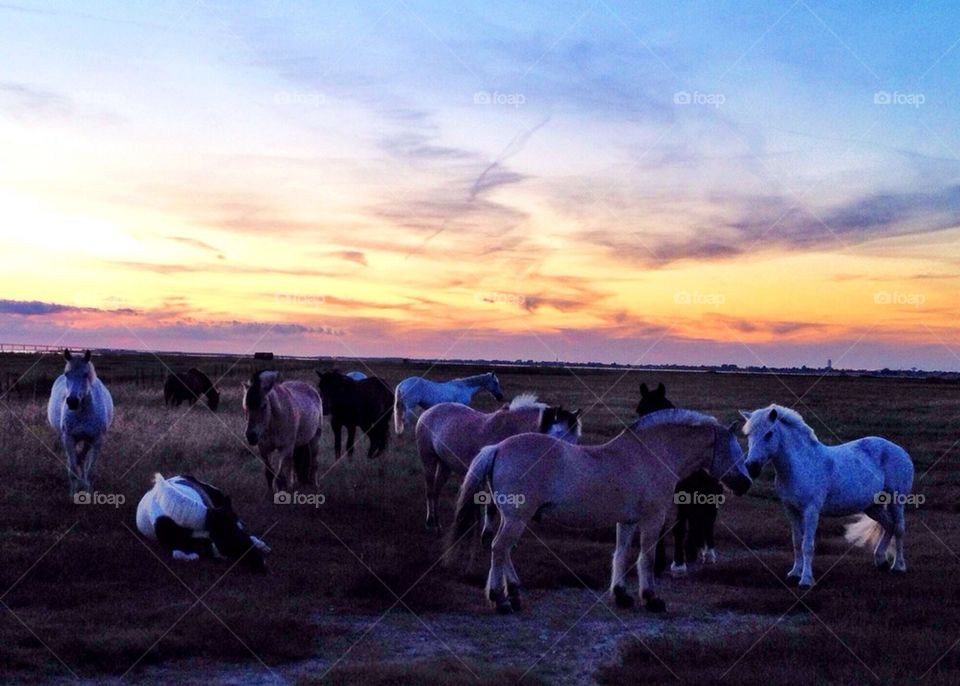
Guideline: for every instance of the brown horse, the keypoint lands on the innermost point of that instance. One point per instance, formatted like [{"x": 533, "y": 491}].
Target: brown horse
[
  {"x": 450, "y": 435},
  {"x": 628, "y": 481},
  {"x": 283, "y": 417}
]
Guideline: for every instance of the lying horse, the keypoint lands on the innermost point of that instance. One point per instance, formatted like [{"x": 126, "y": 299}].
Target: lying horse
[
  {"x": 415, "y": 391},
  {"x": 450, "y": 435},
  {"x": 697, "y": 498},
  {"x": 628, "y": 481},
  {"x": 871, "y": 476},
  {"x": 80, "y": 410},
  {"x": 192, "y": 519},
  {"x": 283, "y": 417},
  {"x": 365, "y": 403},
  {"x": 189, "y": 386}
]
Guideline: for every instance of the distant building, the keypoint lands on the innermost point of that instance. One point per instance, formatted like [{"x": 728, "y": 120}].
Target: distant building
[{"x": 263, "y": 356}]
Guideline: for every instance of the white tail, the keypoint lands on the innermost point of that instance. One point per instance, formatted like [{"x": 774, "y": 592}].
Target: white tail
[
  {"x": 864, "y": 532},
  {"x": 397, "y": 412}
]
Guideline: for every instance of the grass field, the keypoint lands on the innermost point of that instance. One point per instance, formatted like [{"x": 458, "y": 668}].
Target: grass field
[{"x": 355, "y": 594}]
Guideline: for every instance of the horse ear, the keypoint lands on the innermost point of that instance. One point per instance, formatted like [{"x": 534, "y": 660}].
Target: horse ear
[
  {"x": 67, "y": 355},
  {"x": 734, "y": 425},
  {"x": 87, "y": 355},
  {"x": 773, "y": 415},
  {"x": 745, "y": 414},
  {"x": 661, "y": 389},
  {"x": 644, "y": 390}
]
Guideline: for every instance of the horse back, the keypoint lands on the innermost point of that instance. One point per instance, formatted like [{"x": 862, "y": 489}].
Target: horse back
[{"x": 297, "y": 412}]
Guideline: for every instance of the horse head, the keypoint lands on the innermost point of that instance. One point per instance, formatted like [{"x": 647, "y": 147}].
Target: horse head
[
  {"x": 492, "y": 384},
  {"x": 652, "y": 401},
  {"x": 80, "y": 375},
  {"x": 333, "y": 386},
  {"x": 728, "y": 465},
  {"x": 256, "y": 405},
  {"x": 231, "y": 539},
  {"x": 560, "y": 423}
]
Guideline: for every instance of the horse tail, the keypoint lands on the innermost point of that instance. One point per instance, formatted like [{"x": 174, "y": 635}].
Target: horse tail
[
  {"x": 469, "y": 506},
  {"x": 864, "y": 531},
  {"x": 660, "y": 557},
  {"x": 398, "y": 411},
  {"x": 301, "y": 463}
]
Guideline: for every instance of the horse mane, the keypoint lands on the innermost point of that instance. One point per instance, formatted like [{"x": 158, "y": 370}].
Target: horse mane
[
  {"x": 527, "y": 399},
  {"x": 790, "y": 418},
  {"x": 476, "y": 378},
  {"x": 674, "y": 416}
]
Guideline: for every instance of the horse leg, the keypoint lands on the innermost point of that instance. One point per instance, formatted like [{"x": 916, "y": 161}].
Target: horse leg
[
  {"x": 314, "y": 449},
  {"x": 268, "y": 472},
  {"x": 351, "y": 437},
  {"x": 430, "y": 462},
  {"x": 284, "y": 476},
  {"x": 73, "y": 472},
  {"x": 899, "y": 528},
  {"x": 337, "y": 427},
  {"x": 439, "y": 479},
  {"x": 513, "y": 584},
  {"x": 91, "y": 453},
  {"x": 879, "y": 514},
  {"x": 507, "y": 536},
  {"x": 648, "y": 544},
  {"x": 486, "y": 533},
  {"x": 709, "y": 549},
  {"x": 679, "y": 565},
  {"x": 811, "y": 517},
  {"x": 618, "y": 587},
  {"x": 796, "y": 529}
]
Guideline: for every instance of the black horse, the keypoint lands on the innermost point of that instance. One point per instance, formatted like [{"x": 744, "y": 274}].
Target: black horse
[
  {"x": 189, "y": 386},
  {"x": 367, "y": 403},
  {"x": 697, "y": 498}
]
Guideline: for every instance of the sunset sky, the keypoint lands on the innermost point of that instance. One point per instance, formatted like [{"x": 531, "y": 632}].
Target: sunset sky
[{"x": 750, "y": 182}]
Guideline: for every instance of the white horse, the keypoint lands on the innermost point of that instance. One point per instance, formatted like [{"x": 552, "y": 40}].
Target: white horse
[
  {"x": 415, "y": 391},
  {"x": 870, "y": 476},
  {"x": 80, "y": 410}
]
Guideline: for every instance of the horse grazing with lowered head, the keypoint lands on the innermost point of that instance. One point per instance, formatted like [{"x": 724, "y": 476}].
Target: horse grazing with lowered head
[
  {"x": 628, "y": 481},
  {"x": 189, "y": 386},
  {"x": 80, "y": 410},
  {"x": 283, "y": 417},
  {"x": 450, "y": 435},
  {"x": 192, "y": 519},
  {"x": 697, "y": 497},
  {"x": 365, "y": 403},
  {"x": 415, "y": 391},
  {"x": 872, "y": 476}
]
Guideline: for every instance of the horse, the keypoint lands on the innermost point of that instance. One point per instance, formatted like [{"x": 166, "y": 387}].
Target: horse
[
  {"x": 697, "y": 499},
  {"x": 80, "y": 410},
  {"x": 365, "y": 403},
  {"x": 628, "y": 481},
  {"x": 189, "y": 386},
  {"x": 450, "y": 435},
  {"x": 415, "y": 391},
  {"x": 283, "y": 417},
  {"x": 356, "y": 376},
  {"x": 192, "y": 519},
  {"x": 870, "y": 475}
]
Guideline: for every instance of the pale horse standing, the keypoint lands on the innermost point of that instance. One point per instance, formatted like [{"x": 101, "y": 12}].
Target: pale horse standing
[
  {"x": 870, "y": 475},
  {"x": 283, "y": 417},
  {"x": 415, "y": 391},
  {"x": 80, "y": 410}
]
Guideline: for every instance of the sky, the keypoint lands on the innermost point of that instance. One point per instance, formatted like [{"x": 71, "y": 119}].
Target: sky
[{"x": 758, "y": 183}]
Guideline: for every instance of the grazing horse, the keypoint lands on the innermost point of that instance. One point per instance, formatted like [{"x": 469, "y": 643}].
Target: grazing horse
[
  {"x": 415, "y": 391},
  {"x": 871, "y": 475},
  {"x": 450, "y": 435},
  {"x": 697, "y": 499},
  {"x": 365, "y": 403},
  {"x": 628, "y": 481},
  {"x": 283, "y": 417},
  {"x": 193, "y": 519},
  {"x": 189, "y": 386},
  {"x": 80, "y": 410},
  {"x": 356, "y": 376}
]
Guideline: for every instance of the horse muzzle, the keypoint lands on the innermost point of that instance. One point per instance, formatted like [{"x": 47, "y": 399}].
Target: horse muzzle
[
  {"x": 498, "y": 396},
  {"x": 73, "y": 402},
  {"x": 754, "y": 469},
  {"x": 738, "y": 483}
]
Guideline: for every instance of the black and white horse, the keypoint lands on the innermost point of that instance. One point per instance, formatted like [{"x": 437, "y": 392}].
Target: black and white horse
[{"x": 193, "y": 519}]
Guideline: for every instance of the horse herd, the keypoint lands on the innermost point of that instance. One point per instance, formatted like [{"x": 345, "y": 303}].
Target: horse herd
[{"x": 521, "y": 463}]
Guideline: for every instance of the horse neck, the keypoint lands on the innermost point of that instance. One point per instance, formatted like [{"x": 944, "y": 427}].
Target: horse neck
[
  {"x": 795, "y": 447},
  {"x": 475, "y": 383}
]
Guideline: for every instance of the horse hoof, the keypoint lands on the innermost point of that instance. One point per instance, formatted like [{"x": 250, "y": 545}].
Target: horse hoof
[
  {"x": 884, "y": 566},
  {"x": 656, "y": 605},
  {"x": 897, "y": 571},
  {"x": 793, "y": 580},
  {"x": 677, "y": 571},
  {"x": 803, "y": 586},
  {"x": 504, "y": 608},
  {"x": 623, "y": 599},
  {"x": 486, "y": 539},
  {"x": 515, "y": 603}
]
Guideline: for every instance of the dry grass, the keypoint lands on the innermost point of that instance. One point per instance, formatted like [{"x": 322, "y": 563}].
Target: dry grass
[{"x": 82, "y": 586}]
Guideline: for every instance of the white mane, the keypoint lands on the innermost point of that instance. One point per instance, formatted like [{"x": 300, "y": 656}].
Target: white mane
[
  {"x": 674, "y": 416},
  {"x": 177, "y": 505},
  {"x": 526, "y": 400},
  {"x": 788, "y": 417}
]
